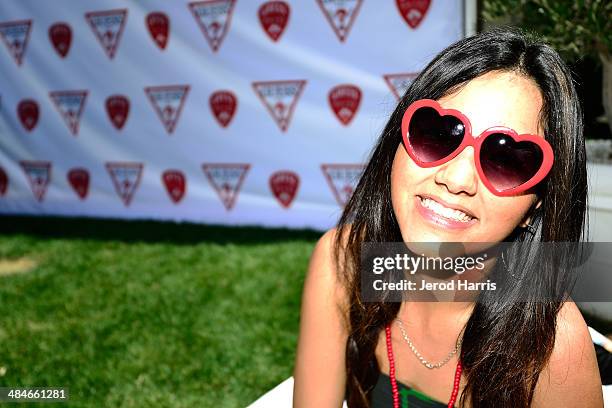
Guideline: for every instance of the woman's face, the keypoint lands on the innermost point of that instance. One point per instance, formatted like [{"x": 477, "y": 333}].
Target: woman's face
[{"x": 494, "y": 99}]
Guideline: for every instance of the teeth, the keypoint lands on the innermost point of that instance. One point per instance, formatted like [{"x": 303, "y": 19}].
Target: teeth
[{"x": 444, "y": 211}]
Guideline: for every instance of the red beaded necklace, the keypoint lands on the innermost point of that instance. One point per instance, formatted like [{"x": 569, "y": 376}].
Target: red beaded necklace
[{"x": 453, "y": 397}]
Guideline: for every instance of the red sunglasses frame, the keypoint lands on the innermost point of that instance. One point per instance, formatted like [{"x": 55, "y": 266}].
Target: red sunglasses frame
[{"x": 476, "y": 142}]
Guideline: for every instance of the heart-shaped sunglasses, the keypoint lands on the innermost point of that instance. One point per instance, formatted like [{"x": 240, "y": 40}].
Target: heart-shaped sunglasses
[{"x": 507, "y": 163}]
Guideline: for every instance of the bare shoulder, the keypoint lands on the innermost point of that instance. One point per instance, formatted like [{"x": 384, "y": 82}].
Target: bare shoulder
[
  {"x": 323, "y": 278},
  {"x": 319, "y": 373},
  {"x": 571, "y": 376}
]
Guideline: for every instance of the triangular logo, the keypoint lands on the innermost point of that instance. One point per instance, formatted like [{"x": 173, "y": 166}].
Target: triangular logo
[
  {"x": 226, "y": 179},
  {"x": 213, "y": 17},
  {"x": 108, "y": 26},
  {"x": 126, "y": 178},
  {"x": 340, "y": 14},
  {"x": 39, "y": 175},
  {"x": 280, "y": 98},
  {"x": 342, "y": 179},
  {"x": 70, "y": 105},
  {"x": 168, "y": 103},
  {"x": 399, "y": 83},
  {"x": 15, "y": 35}
]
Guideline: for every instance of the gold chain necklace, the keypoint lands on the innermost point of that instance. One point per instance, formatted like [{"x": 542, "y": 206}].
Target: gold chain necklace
[{"x": 420, "y": 357}]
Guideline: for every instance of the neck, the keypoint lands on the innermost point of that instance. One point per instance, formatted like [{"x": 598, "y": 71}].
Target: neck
[{"x": 436, "y": 316}]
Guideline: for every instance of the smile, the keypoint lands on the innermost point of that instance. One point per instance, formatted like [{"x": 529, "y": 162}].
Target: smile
[{"x": 441, "y": 215}]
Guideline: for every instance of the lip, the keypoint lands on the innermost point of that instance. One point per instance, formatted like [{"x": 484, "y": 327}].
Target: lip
[
  {"x": 439, "y": 220},
  {"x": 448, "y": 205}
]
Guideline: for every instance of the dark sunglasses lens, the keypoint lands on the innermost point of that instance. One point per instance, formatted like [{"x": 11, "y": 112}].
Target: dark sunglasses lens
[
  {"x": 508, "y": 164},
  {"x": 432, "y": 136}
]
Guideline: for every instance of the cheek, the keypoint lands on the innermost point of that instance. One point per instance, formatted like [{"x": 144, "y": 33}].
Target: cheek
[
  {"x": 405, "y": 175},
  {"x": 503, "y": 214},
  {"x": 407, "y": 179}
]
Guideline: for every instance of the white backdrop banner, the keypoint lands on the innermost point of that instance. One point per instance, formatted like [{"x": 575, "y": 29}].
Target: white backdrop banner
[{"x": 218, "y": 111}]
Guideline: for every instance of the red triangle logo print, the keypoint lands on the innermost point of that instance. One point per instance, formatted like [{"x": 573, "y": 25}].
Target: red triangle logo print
[
  {"x": 175, "y": 183},
  {"x": 158, "y": 24},
  {"x": 60, "y": 35},
  {"x": 28, "y": 113},
  {"x": 226, "y": 179},
  {"x": 70, "y": 105},
  {"x": 4, "y": 181},
  {"x": 39, "y": 175},
  {"x": 78, "y": 178},
  {"x": 213, "y": 17},
  {"x": 168, "y": 103},
  {"x": 223, "y": 106},
  {"x": 126, "y": 178},
  {"x": 342, "y": 179},
  {"x": 344, "y": 101},
  {"x": 15, "y": 35},
  {"x": 413, "y": 11},
  {"x": 340, "y": 14},
  {"x": 274, "y": 16},
  {"x": 108, "y": 27},
  {"x": 280, "y": 98},
  {"x": 284, "y": 186},
  {"x": 117, "y": 109},
  {"x": 399, "y": 83}
]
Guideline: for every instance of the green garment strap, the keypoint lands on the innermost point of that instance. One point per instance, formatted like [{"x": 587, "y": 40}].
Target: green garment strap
[{"x": 405, "y": 392}]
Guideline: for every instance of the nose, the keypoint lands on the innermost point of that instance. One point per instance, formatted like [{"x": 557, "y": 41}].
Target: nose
[{"x": 459, "y": 175}]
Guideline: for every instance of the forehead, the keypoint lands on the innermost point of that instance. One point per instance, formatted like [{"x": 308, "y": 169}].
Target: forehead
[{"x": 499, "y": 99}]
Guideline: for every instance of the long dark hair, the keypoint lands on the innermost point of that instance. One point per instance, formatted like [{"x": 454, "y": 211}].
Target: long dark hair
[{"x": 506, "y": 344}]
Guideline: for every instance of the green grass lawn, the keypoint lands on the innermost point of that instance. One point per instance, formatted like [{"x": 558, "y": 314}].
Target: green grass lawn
[{"x": 146, "y": 314}]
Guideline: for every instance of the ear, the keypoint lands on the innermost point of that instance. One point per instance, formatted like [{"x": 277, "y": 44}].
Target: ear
[{"x": 527, "y": 220}]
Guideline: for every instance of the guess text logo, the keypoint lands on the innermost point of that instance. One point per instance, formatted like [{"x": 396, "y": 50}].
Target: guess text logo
[
  {"x": 280, "y": 98},
  {"x": 341, "y": 15},
  {"x": 108, "y": 27},
  {"x": 168, "y": 102},
  {"x": 342, "y": 179},
  {"x": 70, "y": 106},
  {"x": 15, "y": 35},
  {"x": 38, "y": 174},
  {"x": 126, "y": 179},
  {"x": 213, "y": 17},
  {"x": 226, "y": 179}
]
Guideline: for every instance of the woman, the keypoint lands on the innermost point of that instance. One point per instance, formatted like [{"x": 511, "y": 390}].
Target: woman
[{"x": 503, "y": 353}]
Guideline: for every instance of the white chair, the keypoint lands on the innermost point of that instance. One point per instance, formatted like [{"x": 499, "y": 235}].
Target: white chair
[{"x": 280, "y": 396}]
